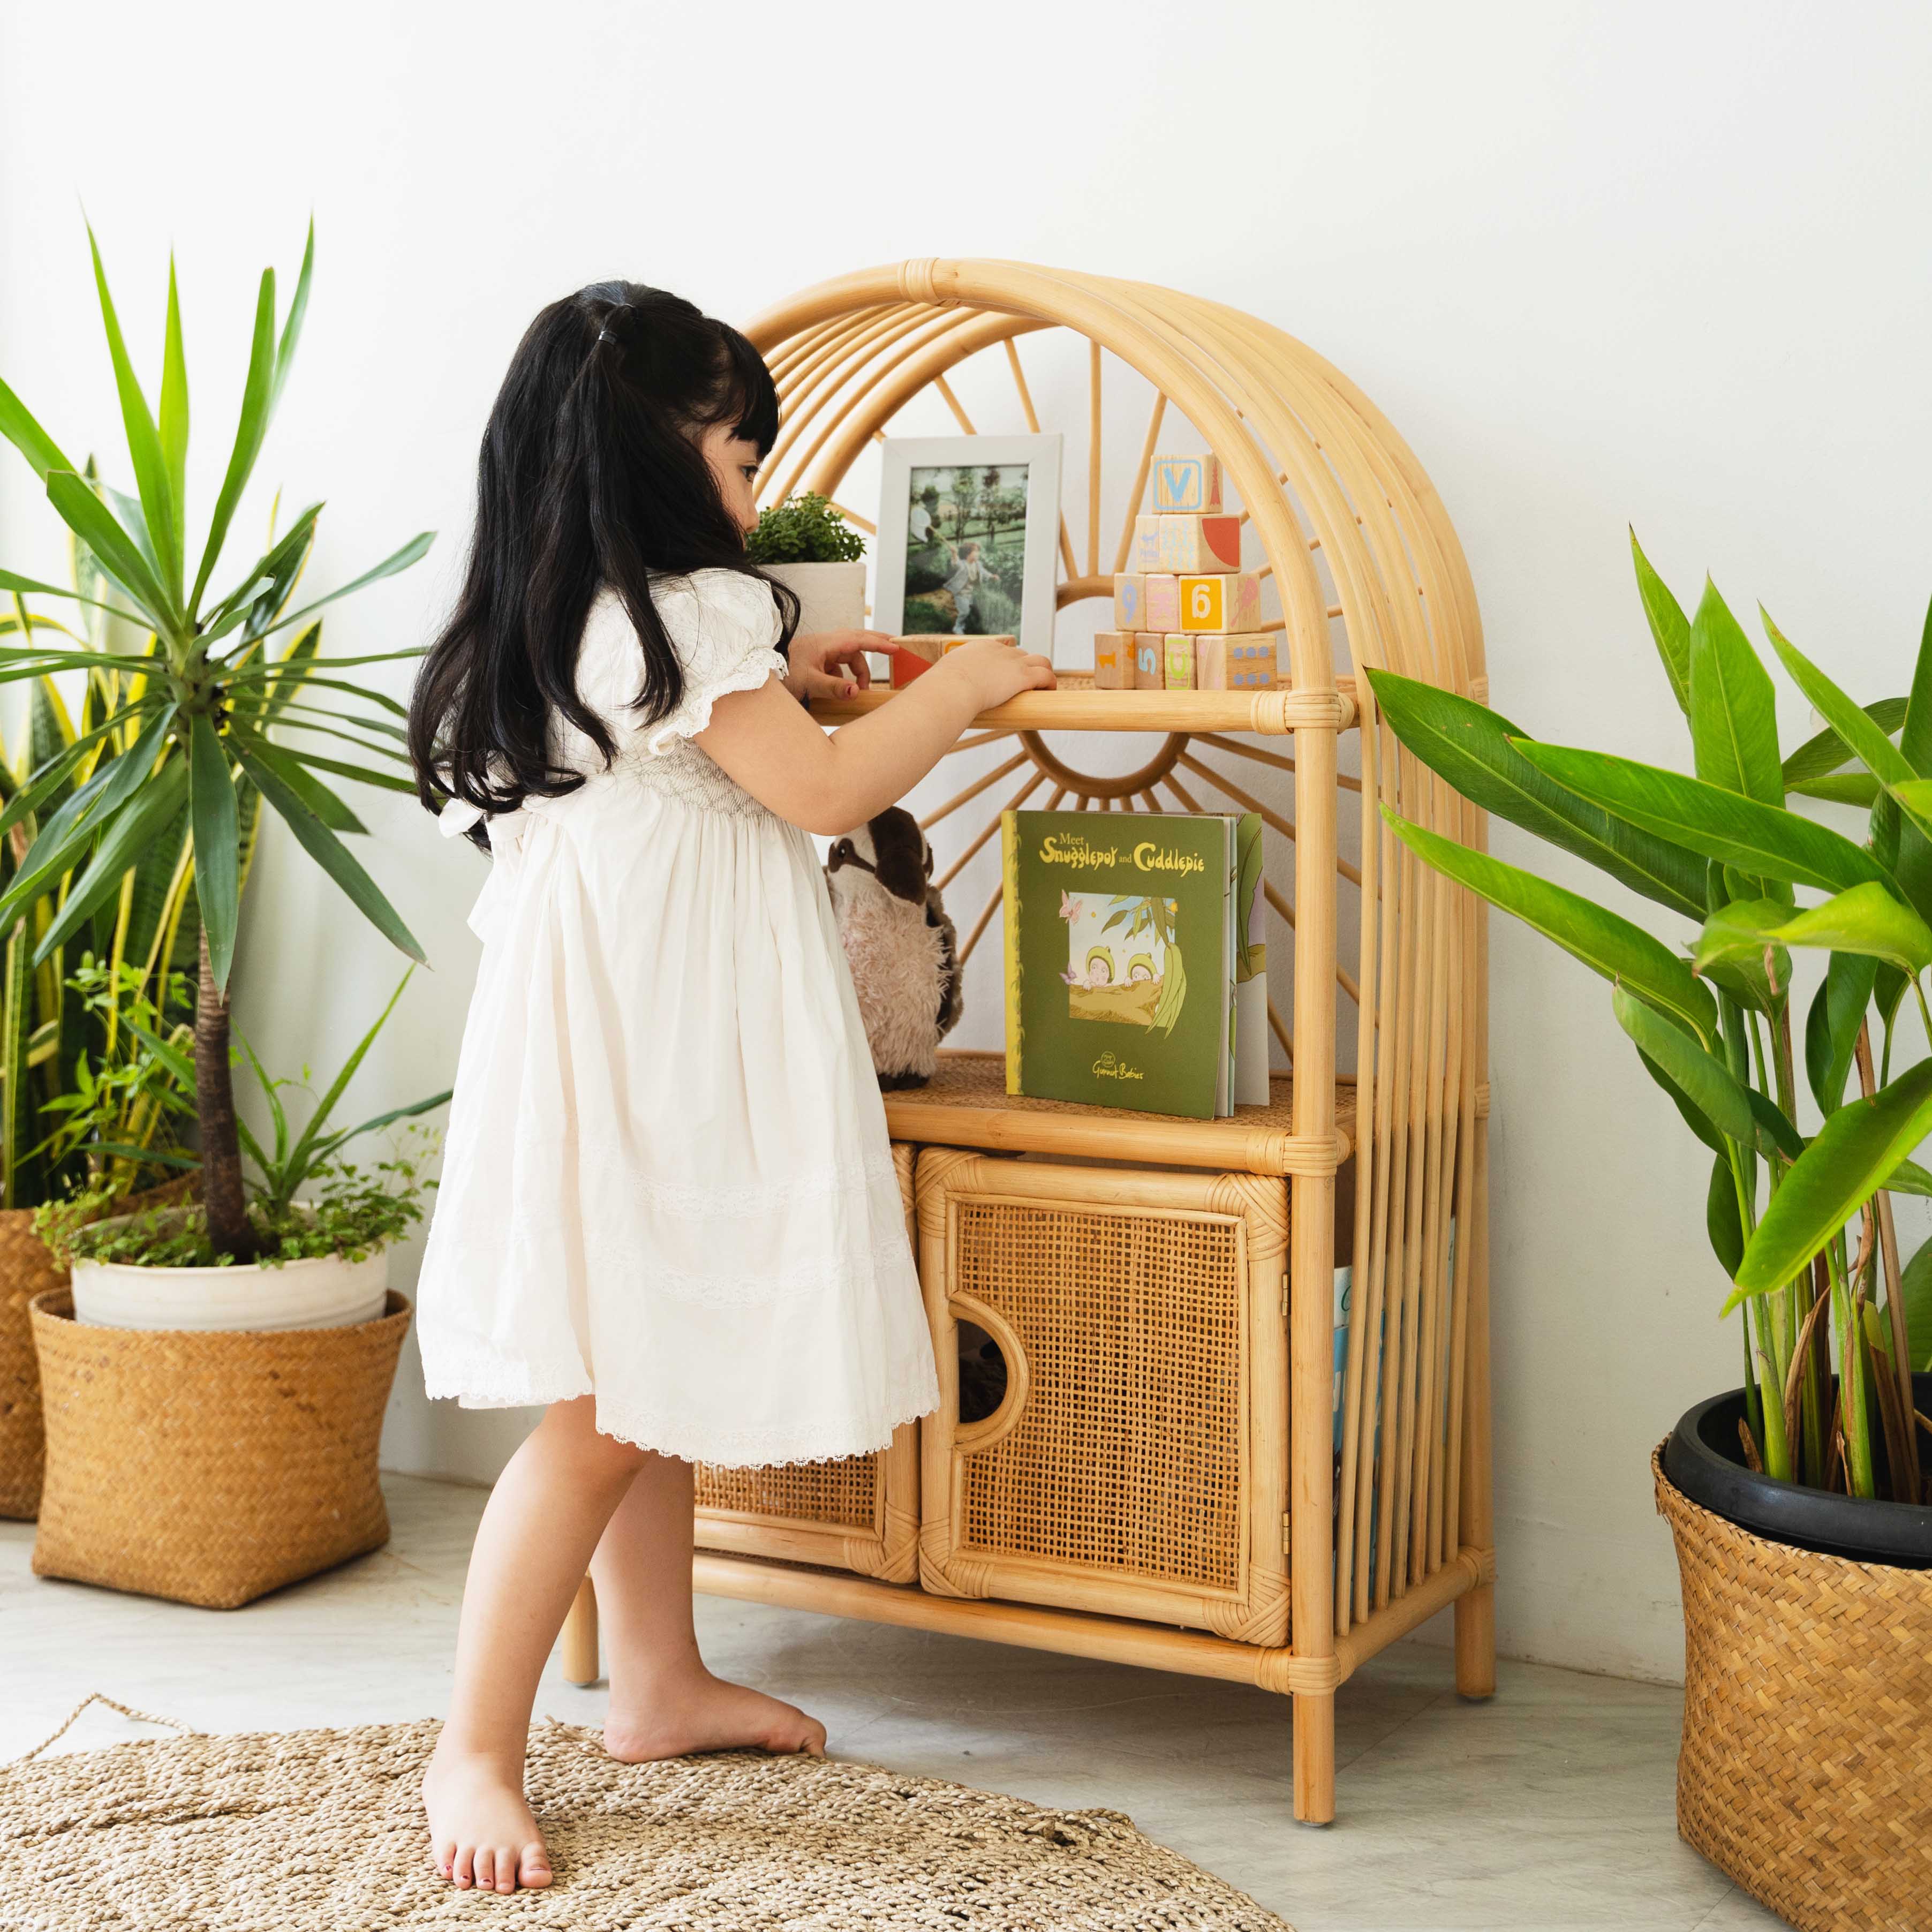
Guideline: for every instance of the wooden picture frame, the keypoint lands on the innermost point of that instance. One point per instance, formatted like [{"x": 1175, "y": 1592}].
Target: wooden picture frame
[{"x": 913, "y": 479}]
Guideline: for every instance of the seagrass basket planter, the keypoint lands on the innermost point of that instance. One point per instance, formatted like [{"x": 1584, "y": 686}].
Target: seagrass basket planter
[
  {"x": 210, "y": 1468},
  {"x": 1806, "y": 1770},
  {"x": 26, "y": 1269}
]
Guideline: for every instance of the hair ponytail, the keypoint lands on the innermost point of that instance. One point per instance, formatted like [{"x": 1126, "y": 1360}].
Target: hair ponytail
[{"x": 589, "y": 476}]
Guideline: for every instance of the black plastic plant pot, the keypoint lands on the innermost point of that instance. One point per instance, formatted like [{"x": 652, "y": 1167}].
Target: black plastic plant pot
[{"x": 1705, "y": 1459}]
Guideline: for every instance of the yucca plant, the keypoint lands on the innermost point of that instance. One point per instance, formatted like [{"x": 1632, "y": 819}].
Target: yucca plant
[
  {"x": 190, "y": 733},
  {"x": 1800, "y": 1221}
]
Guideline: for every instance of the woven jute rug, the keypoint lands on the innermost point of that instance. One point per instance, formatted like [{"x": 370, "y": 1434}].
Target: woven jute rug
[{"x": 323, "y": 1832}]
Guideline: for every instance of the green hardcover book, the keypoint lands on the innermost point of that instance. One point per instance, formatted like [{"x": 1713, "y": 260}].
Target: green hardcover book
[{"x": 1117, "y": 965}]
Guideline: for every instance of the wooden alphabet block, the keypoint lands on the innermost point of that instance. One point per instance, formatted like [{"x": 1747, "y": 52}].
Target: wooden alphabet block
[
  {"x": 1143, "y": 552},
  {"x": 1179, "y": 661},
  {"x": 1129, "y": 601},
  {"x": 1234, "y": 660},
  {"x": 1230, "y": 602},
  {"x": 1150, "y": 661},
  {"x": 1163, "y": 603},
  {"x": 1186, "y": 483},
  {"x": 1191, "y": 545},
  {"x": 1113, "y": 661}
]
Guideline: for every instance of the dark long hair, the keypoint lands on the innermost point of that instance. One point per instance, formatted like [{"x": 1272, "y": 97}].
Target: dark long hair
[{"x": 590, "y": 474}]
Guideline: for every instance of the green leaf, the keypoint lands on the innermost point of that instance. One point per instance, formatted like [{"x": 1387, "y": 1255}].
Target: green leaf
[
  {"x": 1914, "y": 737},
  {"x": 1874, "y": 750},
  {"x": 45, "y": 781},
  {"x": 316, "y": 796},
  {"x": 1819, "y": 756},
  {"x": 361, "y": 774},
  {"x": 330, "y": 854},
  {"x": 1869, "y": 919},
  {"x": 1720, "y": 1216},
  {"x": 32, "y": 587},
  {"x": 285, "y": 355},
  {"x": 1705, "y": 1080},
  {"x": 1682, "y": 1102},
  {"x": 1471, "y": 747},
  {"x": 174, "y": 415},
  {"x": 257, "y": 398},
  {"x": 122, "y": 844},
  {"x": 319, "y": 1120},
  {"x": 1832, "y": 1026},
  {"x": 18, "y": 426},
  {"x": 1731, "y": 950},
  {"x": 1855, "y": 1151},
  {"x": 412, "y": 552},
  {"x": 1763, "y": 840},
  {"x": 1668, "y": 626},
  {"x": 144, "y": 442},
  {"x": 1915, "y": 1293},
  {"x": 117, "y": 554},
  {"x": 1855, "y": 788},
  {"x": 1908, "y": 1178},
  {"x": 218, "y": 843},
  {"x": 326, "y": 1146},
  {"x": 1733, "y": 706},
  {"x": 1603, "y": 941}
]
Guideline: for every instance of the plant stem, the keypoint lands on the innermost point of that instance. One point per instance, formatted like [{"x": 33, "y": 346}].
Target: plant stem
[
  {"x": 1858, "y": 1479},
  {"x": 229, "y": 1231},
  {"x": 1905, "y": 1485}
]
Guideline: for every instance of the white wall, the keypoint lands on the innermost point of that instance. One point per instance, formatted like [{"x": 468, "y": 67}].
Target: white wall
[{"x": 1635, "y": 263}]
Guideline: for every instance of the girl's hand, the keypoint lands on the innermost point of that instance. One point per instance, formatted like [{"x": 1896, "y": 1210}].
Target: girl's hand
[
  {"x": 832, "y": 664},
  {"x": 998, "y": 671}
]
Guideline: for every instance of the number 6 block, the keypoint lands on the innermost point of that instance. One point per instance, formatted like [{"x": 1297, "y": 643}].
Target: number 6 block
[{"x": 1232, "y": 602}]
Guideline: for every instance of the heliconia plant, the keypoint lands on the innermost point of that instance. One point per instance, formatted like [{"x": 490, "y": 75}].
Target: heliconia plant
[
  {"x": 1800, "y": 1220},
  {"x": 189, "y": 735}
]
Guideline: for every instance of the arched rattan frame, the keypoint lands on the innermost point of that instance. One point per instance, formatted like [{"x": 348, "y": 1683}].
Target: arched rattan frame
[{"x": 1318, "y": 471}]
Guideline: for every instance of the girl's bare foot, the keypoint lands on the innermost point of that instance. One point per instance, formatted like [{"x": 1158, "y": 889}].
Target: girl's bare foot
[
  {"x": 482, "y": 1831},
  {"x": 696, "y": 1712}
]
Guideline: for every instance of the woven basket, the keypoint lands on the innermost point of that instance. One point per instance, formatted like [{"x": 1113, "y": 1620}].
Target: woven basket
[
  {"x": 26, "y": 1269},
  {"x": 210, "y": 1468},
  {"x": 1806, "y": 1770}
]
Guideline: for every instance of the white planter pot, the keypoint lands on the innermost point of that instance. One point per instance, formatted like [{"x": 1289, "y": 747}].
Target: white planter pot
[
  {"x": 324, "y": 1292},
  {"x": 831, "y": 596}
]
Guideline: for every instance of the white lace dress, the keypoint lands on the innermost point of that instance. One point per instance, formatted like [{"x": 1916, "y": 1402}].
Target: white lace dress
[{"x": 667, "y": 1181}]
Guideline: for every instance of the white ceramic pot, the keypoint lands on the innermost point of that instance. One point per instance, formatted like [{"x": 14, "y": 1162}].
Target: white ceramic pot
[
  {"x": 831, "y": 596},
  {"x": 326, "y": 1291}
]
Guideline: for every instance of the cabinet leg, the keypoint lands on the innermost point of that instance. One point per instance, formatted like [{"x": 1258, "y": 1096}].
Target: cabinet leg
[
  {"x": 1315, "y": 1757},
  {"x": 1476, "y": 1641},
  {"x": 580, "y": 1636}
]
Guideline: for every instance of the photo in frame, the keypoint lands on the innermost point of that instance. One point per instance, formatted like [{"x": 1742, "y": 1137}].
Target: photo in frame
[{"x": 968, "y": 530}]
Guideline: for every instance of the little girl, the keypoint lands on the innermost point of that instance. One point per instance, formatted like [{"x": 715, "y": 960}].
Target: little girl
[{"x": 668, "y": 1211}]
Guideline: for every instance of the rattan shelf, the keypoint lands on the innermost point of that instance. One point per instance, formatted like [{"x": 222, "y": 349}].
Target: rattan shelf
[
  {"x": 966, "y": 1104},
  {"x": 1176, "y": 1474}
]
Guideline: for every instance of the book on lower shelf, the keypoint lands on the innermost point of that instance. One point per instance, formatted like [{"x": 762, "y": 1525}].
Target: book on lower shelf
[{"x": 1135, "y": 974}]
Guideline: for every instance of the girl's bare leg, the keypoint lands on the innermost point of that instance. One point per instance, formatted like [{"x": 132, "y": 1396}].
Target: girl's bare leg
[
  {"x": 545, "y": 1517},
  {"x": 664, "y": 1702}
]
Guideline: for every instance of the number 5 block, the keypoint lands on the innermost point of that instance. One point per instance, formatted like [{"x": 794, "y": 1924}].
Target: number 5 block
[{"x": 1229, "y": 602}]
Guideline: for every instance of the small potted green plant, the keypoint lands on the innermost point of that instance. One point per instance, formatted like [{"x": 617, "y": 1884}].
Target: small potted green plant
[
  {"x": 1801, "y": 1502},
  {"x": 806, "y": 544}
]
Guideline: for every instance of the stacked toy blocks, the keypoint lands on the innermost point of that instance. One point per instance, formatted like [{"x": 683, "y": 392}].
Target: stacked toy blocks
[{"x": 1186, "y": 616}]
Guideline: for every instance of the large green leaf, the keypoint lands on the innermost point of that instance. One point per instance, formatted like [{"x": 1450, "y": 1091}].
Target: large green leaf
[
  {"x": 1603, "y": 941},
  {"x": 1705, "y": 1081},
  {"x": 1915, "y": 1288},
  {"x": 285, "y": 353},
  {"x": 361, "y": 774},
  {"x": 1859, "y": 789},
  {"x": 122, "y": 842},
  {"x": 1720, "y": 1216},
  {"x": 32, "y": 587},
  {"x": 330, "y": 854},
  {"x": 1867, "y": 919},
  {"x": 17, "y": 424},
  {"x": 1470, "y": 745},
  {"x": 1739, "y": 948},
  {"x": 1914, "y": 737},
  {"x": 218, "y": 843},
  {"x": 1733, "y": 706},
  {"x": 119, "y": 555},
  {"x": 144, "y": 442},
  {"x": 312, "y": 792},
  {"x": 44, "y": 784},
  {"x": 1855, "y": 1151},
  {"x": 1831, "y": 1027},
  {"x": 1763, "y": 840},
  {"x": 257, "y": 399},
  {"x": 173, "y": 424},
  {"x": 1668, "y": 626}
]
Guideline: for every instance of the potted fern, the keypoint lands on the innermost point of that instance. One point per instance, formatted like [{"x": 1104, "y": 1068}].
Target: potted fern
[
  {"x": 806, "y": 544},
  {"x": 1801, "y": 1502}
]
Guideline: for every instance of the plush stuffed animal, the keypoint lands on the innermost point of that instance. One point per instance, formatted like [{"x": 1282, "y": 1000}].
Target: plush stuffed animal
[{"x": 903, "y": 950}]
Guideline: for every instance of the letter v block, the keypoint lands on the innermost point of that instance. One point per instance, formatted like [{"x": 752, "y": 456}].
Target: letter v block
[{"x": 1186, "y": 483}]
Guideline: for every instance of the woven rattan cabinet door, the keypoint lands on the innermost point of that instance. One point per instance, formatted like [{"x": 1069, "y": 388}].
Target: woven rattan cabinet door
[
  {"x": 1137, "y": 1463},
  {"x": 860, "y": 1513}
]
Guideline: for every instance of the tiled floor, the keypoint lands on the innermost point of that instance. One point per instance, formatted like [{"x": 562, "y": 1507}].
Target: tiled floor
[{"x": 1549, "y": 1807}]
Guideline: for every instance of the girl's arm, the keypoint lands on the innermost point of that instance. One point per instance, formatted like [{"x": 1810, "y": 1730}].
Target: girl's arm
[{"x": 829, "y": 784}]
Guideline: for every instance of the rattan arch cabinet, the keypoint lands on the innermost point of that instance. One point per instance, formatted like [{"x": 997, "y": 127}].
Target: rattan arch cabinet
[{"x": 1184, "y": 1470}]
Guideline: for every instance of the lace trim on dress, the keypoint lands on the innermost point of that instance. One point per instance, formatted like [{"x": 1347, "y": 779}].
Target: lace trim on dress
[{"x": 694, "y": 713}]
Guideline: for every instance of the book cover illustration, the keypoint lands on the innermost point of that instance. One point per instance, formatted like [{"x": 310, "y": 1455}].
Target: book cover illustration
[{"x": 1117, "y": 959}]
